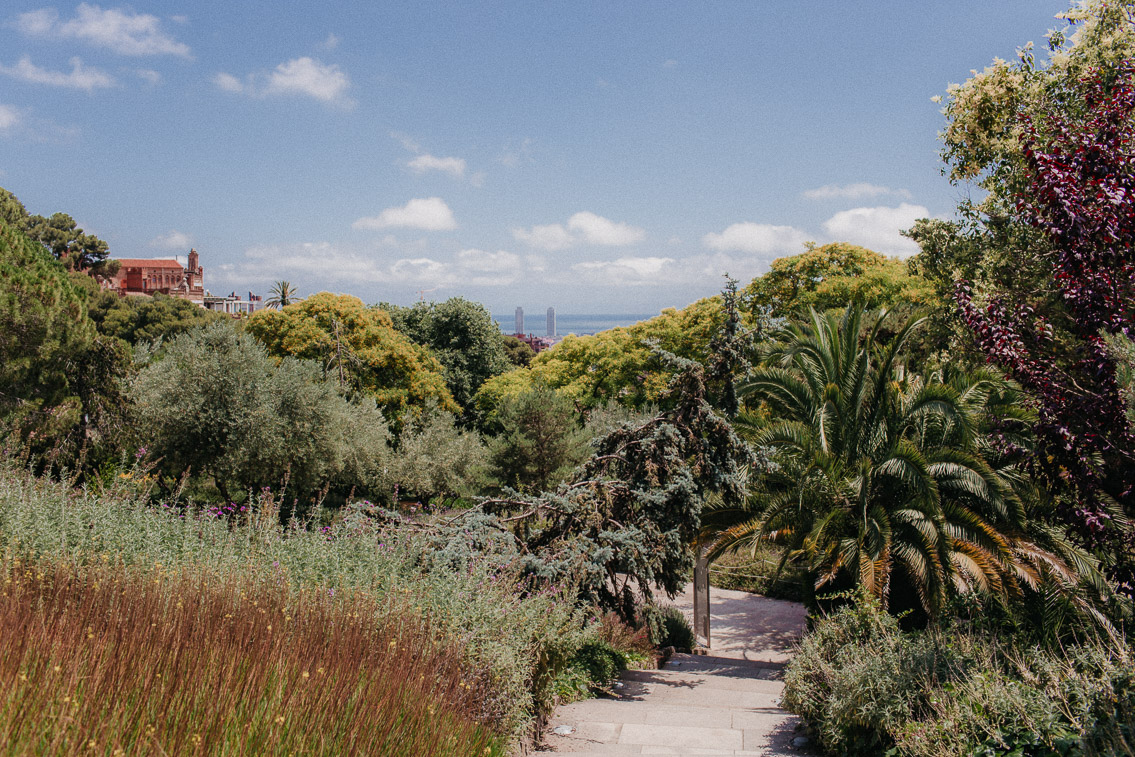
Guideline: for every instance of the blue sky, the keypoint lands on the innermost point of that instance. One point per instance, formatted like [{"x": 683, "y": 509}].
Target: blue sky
[{"x": 598, "y": 157}]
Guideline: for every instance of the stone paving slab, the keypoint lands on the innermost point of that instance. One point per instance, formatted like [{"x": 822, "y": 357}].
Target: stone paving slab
[
  {"x": 674, "y": 711},
  {"x": 724, "y": 703}
]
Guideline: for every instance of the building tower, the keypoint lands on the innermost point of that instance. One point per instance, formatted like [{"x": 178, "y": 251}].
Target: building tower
[
  {"x": 520, "y": 320},
  {"x": 551, "y": 321},
  {"x": 193, "y": 271}
]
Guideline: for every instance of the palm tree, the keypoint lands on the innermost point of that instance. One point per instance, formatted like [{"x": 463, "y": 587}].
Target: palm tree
[
  {"x": 882, "y": 478},
  {"x": 283, "y": 294}
]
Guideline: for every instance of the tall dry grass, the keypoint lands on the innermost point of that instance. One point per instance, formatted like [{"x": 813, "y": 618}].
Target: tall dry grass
[{"x": 114, "y": 660}]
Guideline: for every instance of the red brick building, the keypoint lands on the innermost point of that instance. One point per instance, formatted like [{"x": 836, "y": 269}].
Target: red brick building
[{"x": 147, "y": 276}]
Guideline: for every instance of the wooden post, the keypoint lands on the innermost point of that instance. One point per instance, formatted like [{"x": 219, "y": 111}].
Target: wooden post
[{"x": 701, "y": 600}]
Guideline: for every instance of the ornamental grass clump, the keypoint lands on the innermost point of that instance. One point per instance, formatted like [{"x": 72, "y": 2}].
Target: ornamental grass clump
[
  {"x": 475, "y": 598},
  {"x": 110, "y": 659}
]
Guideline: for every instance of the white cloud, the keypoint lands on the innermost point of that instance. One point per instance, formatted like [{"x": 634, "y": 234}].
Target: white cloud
[
  {"x": 877, "y": 228},
  {"x": 551, "y": 237},
  {"x": 123, "y": 31},
  {"x": 602, "y": 231},
  {"x": 307, "y": 76},
  {"x": 300, "y": 76},
  {"x": 757, "y": 239},
  {"x": 331, "y": 42},
  {"x": 428, "y": 214},
  {"x": 418, "y": 270},
  {"x": 320, "y": 264},
  {"x": 479, "y": 260},
  {"x": 584, "y": 227},
  {"x": 855, "y": 191},
  {"x": 172, "y": 240},
  {"x": 455, "y": 167},
  {"x": 148, "y": 75},
  {"x": 10, "y": 118},
  {"x": 87, "y": 79},
  {"x": 228, "y": 82},
  {"x": 481, "y": 268},
  {"x": 669, "y": 63},
  {"x": 628, "y": 271}
]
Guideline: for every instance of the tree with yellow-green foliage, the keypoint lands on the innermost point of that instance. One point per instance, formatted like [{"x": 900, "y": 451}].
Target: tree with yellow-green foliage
[
  {"x": 834, "y": 276},
  {"x": 619, "y": 365},
  {"x": 616, "y": 365},
  {"x": 358, "y": 348}
]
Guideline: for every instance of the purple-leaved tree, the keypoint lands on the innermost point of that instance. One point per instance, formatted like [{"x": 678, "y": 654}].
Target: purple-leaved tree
[{"x": 1081, "y": 196}]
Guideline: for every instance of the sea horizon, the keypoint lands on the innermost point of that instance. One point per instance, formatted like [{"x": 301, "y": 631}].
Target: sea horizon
[{"x": 580, "y": 324}]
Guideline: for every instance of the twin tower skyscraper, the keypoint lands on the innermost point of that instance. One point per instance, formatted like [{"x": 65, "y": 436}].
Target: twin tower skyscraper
[{"x": 551, "y": 321}]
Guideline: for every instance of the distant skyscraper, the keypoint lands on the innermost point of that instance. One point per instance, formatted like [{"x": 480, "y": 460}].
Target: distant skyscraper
[
  {"x": 520, "y": 320},
  {"x": 551, "y": 321}
]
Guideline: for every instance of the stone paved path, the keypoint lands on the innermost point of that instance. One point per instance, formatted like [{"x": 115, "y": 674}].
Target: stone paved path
[{"x": 724, "y": 703}]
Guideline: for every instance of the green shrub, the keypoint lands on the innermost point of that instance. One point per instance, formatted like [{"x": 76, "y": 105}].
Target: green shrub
[
  {"x": 866, "y": 688},
  {"x": 601, "y": 661},
  {"x": 1112, "y": 727},
  {"x": 668, "y": 627}
]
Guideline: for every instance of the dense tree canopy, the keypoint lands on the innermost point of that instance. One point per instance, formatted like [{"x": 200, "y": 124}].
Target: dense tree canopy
[
  {"x": 217, "y": 404},
  {"x": 43, "y": 328},
  {"x": 615, "y": 365},
  {"x": 461, "y": 335},
  {"x": 625, "y": 524},
  {"x": 60, "y": 382},
  {"x": 436, "y": 459},
  {"x": 146, "y": 319},
  {"x": 359, "y": 349},
  {"x": 61, "y": 236},
  {"x": 834, "y": 276},
  {"x": 540, "y": 441},
  {"x": 1042, "y": 263},
  {"x": 517, "y": 351}
]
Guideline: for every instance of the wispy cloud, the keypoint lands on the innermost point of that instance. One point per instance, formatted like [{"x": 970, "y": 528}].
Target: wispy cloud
[
  {"x": 306, "y": 77},
  {"x": 80, "y": 77},
  {"x": 427, "y": 214},
  {"x": 322, "y": 264},
  {"x": 455, "y": 167},
  {"x": 172, "y": 240},
  {"x": 584, "y": 227},
  {"x": 515, "y": 154},
  {"x": 120, "y": 30},
  {"x": 22, "y": 124},
  {"x": 148, "y": 75},
  {"x": 857, "y": 191},
  {"x": 10, "y": 118}
]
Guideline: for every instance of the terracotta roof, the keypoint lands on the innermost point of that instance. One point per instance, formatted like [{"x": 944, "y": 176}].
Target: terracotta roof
[{"x": 144, "y": 263}]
